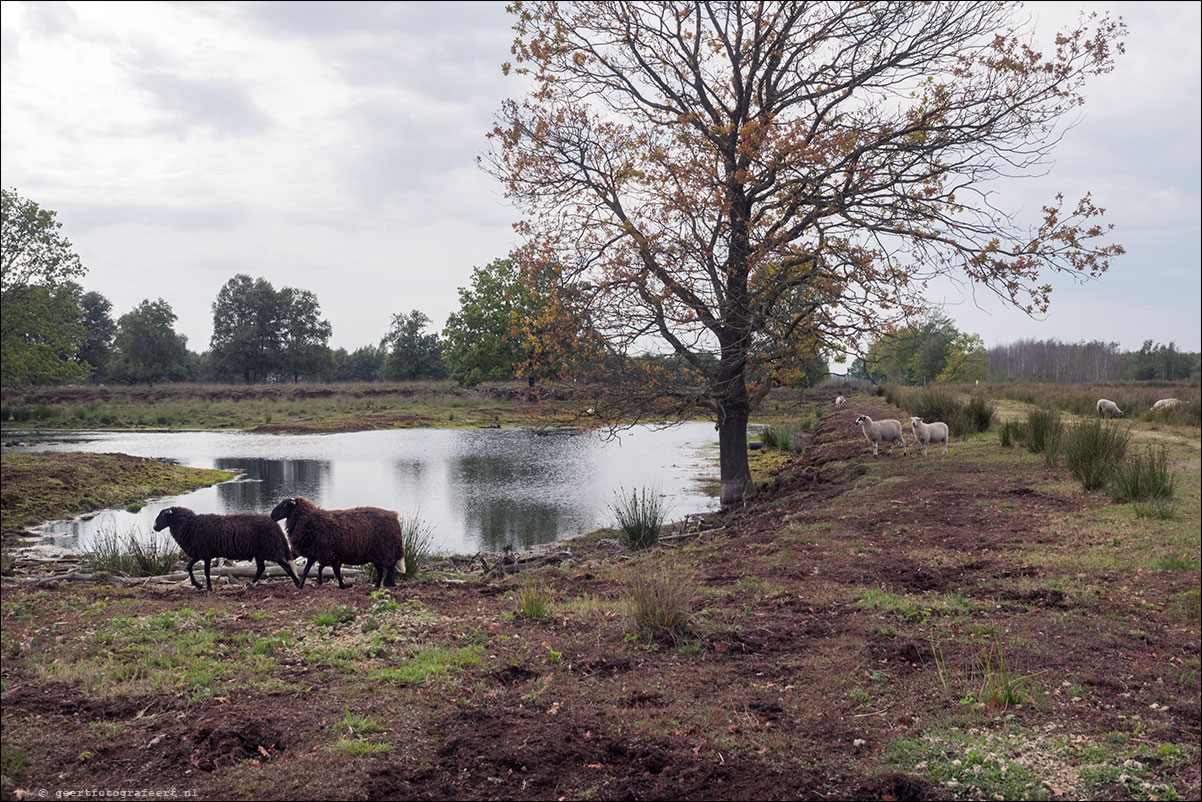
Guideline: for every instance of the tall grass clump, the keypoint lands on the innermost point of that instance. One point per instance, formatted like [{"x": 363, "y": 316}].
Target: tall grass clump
[
  {"x": 979, "y": 413},
  {"x": 534, "y": 601},
  {"x": 1012, "y": 433},
  {"x": 1093, "y": 452},
  {"x": 131, "y": 555},
  {"x": 640, "y": 518},
  {"x": 782, "y": 439},
  {"x": 1143, "y": 477},
  {"x": 936, "y": 403},
  {"x": 419, "y": 545},
  {"x": 1043, "y": 432},
  {"x": 661, "y": 605}
]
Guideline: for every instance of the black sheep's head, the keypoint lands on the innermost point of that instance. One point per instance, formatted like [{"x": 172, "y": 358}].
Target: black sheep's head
[
  {"x": 164, "y": 520},
  {"x": 283, "y": 509}
]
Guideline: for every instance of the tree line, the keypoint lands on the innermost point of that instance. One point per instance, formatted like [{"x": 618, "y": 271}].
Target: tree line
[{"x": 933, "y": 349}]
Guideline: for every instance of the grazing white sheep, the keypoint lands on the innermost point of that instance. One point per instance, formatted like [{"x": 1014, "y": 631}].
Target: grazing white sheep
[
  {"x": 888, "y": 430},
  {"x": 1109, "y": 409},
  {"x": 840, "y": 401},
  {"x": 927, "y": 433},
  {"x": 1166, "y": 403}
]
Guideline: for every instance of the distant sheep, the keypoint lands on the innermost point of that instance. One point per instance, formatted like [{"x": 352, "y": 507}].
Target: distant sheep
[
  {"x": 889, "y": 431},
  {"x": 234, "y": 537},
  {"x": 1108, "y": 409},
  {"x": 929, "y": 433},
  {"x": 1166, "y": 403},
  {"x": 840, "y": 401},
  {"x": 333, "y": 537}
]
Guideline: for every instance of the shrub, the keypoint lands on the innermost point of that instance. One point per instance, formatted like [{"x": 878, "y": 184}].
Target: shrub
[
  {"x": 1143, "y": 478},
  {"x": 131, "y": 555},
  {"x": 979, "y": 413},
  {"x": 1043, "y": 430},
  {"x": 936, "y": 403},
  {"x": 640, "y": 518},
  {"x": 1012, "y": 432},
  {"x": 782, "y": 439},
  {"x": 661, "y": 605},
  {"x": 1093, "y": 451}
]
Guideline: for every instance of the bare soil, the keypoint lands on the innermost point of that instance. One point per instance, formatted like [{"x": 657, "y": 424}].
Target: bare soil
[{"x": 846, "y": 633}]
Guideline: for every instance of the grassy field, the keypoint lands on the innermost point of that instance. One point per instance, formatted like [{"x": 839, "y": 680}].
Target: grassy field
[
  {"x": 44, "y": 486},
  {"x": 969, "y": 626},
  {"x": 276, "y": 408}
]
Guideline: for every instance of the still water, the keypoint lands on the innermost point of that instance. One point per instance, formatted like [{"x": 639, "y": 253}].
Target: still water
[{"x": 473, "y": 489}]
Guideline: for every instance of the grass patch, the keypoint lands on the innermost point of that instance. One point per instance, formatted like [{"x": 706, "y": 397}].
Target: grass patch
[
  {"x": 355, "y": 747},
  {"x": 1093, "y": 452},
  {"x": 914, "y": 608},
  {"x": 426, "y": 663},
  {"x": 132, "y": 555},
  {"x": 419, "y": 545},
  {"x": 534, "y": 601},
  {"x": 661, "y": 605},
  {"x": 1143, "y": 477},
  {"x": 640, "y": 518},
  {"x": 36, "y": 487},
  {"x": 335, "y": 615}
]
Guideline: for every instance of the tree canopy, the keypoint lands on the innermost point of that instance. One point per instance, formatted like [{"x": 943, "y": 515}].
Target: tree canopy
[
  {"x": 40, "y": 331},
  {"x": 146, "y": 347},
  {"x": 731, "y": 179}
]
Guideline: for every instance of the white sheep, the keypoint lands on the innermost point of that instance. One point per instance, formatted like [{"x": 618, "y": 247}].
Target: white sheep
[
  {"x": 927, "y": 433},
  {"x": 1108, "y": 408},
  {"x": 840, "y": 401},
  {"x": 888, "y": 430},
  {"x": 1166, "y": 403}
]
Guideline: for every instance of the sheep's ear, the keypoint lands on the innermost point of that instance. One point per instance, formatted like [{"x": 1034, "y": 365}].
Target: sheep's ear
[{"x": 169, "y": 511}]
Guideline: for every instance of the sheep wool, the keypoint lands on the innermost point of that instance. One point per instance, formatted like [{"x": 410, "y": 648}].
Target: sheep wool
[
  {"x": 927, "y": 433},
  {"x": 333, "y": 537},
  {"x": 234, "y": 537},
  {"x": 1109, "y": 409},
  {"x": 889, "y": 431}
]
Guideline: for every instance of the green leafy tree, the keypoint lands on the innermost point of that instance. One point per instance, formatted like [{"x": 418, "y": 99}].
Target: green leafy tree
[
  {"x": 411, "y": 353},
  {"x": 247, "y": 328},
  {"x": 361, "y": 365},
  {"x": 99, "y": 329},
  {"x": 39, "y": 319},
  {"x": 479, "y": 345},
  {"x": 147, "y": 348},
  {"x": 966, "y": 360},
  {"x": 305, "y": 337}
]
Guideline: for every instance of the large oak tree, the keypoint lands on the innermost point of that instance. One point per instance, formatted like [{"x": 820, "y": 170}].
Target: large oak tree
[{"x": 738, "y": 180}]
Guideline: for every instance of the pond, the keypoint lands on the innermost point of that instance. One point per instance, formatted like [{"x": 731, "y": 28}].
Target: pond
[{"x": 473, "y": 489}]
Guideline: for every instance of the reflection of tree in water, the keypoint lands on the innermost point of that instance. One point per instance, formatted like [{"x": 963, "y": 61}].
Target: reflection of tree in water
[
  {"x": 509, "y": 493},
  {"x": 521, "y": 524},
  {"x": 277, "y": 479}
]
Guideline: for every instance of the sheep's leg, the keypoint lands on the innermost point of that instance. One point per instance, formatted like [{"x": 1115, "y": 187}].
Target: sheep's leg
[
  {"x": 876, "y": 444},
  {"x": 191, "y": 575},
  {"x": 208, "y": 579},
  {"x": 944, "y": 446},
  {"x": 390, "y": 577},
  {"x": 305, "y": 575},
  {"x": 288, "y": 570},
  {"x": 261, "y": 566},
  {"x": 338, "y": 574},
  {"x": 320, "y": 571},
  {"x": 379, "y": 574}
]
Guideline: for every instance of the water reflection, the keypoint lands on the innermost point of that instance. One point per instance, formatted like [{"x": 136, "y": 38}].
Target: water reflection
[
  {"x": 473, "y": 489},
  {"x": 274, "y": 479}
]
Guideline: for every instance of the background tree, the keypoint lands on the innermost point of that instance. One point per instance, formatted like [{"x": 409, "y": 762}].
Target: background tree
[
  {"x": 304, "y": 336},
  {"x": 411, "y": 353},
  {"x": 147, "y": 348},
  {"x": 247, "y": 328},
  {"x": 361, "y": 365},
  {"x": 39, "y": 320},
  {"x": 98, "y": 331},
  {"x": 478, "y": 345},
  {"x": 667, "y": 151}
]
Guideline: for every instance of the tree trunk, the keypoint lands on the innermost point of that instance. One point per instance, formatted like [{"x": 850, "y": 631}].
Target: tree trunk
[{"x": 732, "y": 453}]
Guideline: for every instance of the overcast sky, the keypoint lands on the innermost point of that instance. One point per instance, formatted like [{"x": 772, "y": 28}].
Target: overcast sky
[{"x": 332, "y": 147}]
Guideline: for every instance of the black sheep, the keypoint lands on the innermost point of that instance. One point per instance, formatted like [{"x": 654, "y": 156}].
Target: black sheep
[
  {"x": 234, "y": 537},
  {"x": 333, "y": 537}
]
